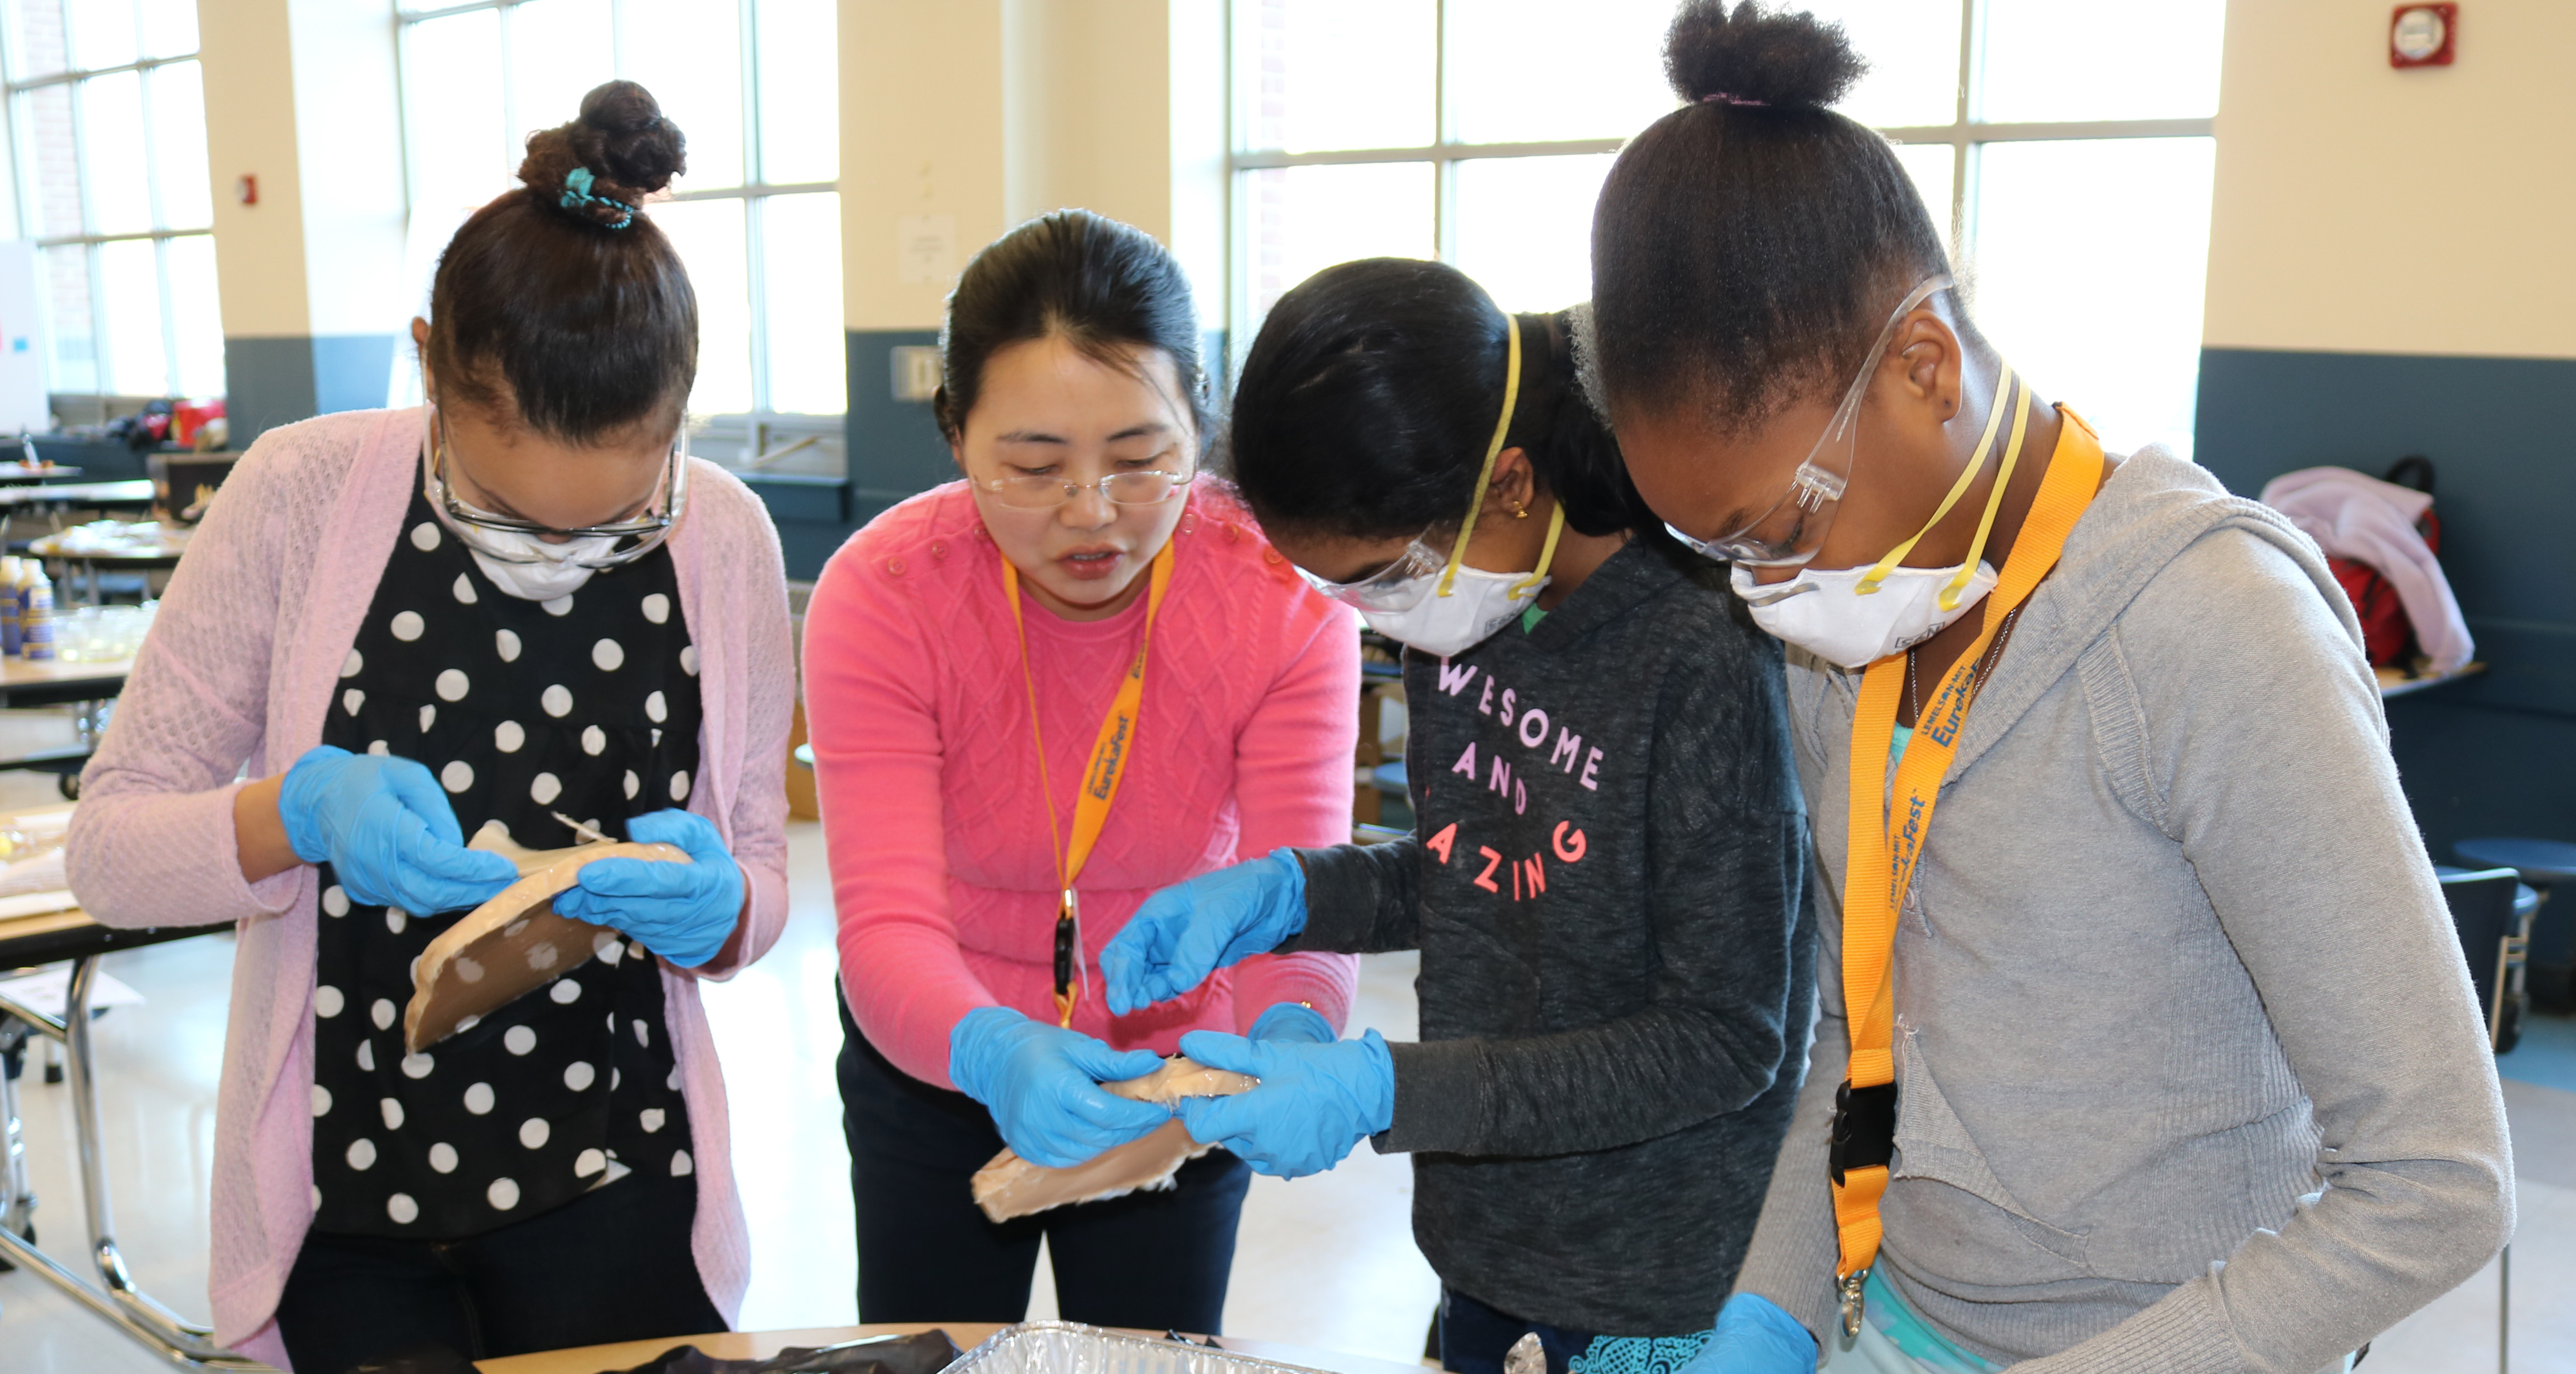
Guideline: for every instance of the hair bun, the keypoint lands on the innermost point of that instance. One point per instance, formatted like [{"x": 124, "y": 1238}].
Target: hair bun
[
  {"x": 621, "y": 138},
  {"x": 1758, "y": 56}
]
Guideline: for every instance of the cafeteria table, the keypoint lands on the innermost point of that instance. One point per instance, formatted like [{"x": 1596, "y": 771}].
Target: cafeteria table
[
  {"x": 761, "y": 1345},
  {"x": 50, "y": 682},
  {"x": 134, "y": 493},
  {"x": 156, "y": 551},
  {"x": 52, "y": 937}
]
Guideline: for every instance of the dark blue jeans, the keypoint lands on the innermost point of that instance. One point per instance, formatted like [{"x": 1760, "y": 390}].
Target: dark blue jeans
[
  {"x": 1474, "y": 1336},
  {"x": 1152, "y": 1261},
  {"x": 612, "y": 1265}
]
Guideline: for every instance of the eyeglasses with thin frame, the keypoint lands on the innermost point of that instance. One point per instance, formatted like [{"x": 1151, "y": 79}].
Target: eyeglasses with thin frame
[
  {"x": 647, "y": 530},
  {"x": 1044, "y": 491},
  {"x": 1789, "y": 534}
]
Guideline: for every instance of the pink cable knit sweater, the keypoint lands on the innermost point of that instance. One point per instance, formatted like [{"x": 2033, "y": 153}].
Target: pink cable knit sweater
[
  {"x": 240, "y": 669},
  {"x": 941, "y": 866}
]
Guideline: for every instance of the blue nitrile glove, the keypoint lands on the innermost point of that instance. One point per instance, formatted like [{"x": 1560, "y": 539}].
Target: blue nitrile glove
[
  {"x": 1043, "y": 1086},
  {"x": 1187, "y": 931},
  {"x": 1294, "y": 1022},
  {"x": 1313, "y": 1104},
  {"x": 384, "y": 826},
  {"x": 1754, "y": 1336},
  {"x": 683, "y": 912}
]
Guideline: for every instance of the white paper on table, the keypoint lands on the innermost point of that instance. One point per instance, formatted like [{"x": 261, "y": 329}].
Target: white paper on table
[
  {"x": 43, "y": 873},
  {"x": 38, "y": 825},
  {"x": 50, "y": 991},
  {"x": 37, "y": 903}
]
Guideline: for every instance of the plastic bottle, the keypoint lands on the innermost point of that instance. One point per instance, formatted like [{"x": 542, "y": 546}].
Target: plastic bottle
[
  {"x": 35, "y": 613},
  {"x": 10, "y": 567}
]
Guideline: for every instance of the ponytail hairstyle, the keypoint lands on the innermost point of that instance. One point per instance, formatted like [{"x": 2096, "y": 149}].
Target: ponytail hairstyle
[
  {"x": 1370, "y": 396},
  {"x": 560, "y": 303},
  {"x": 1748, "y": 246},
  {"x": 1106, "y": 288}
]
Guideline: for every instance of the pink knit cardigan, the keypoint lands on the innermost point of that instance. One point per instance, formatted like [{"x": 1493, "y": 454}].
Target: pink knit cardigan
[
  {"x": 941, "y": 866},
  {"x": 239, "y": 672}
]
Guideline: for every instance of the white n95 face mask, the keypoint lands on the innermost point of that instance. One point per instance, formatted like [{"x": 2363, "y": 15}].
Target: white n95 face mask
[
  {"x": 1475, "y": 605},
  {"x": 1826, "y": 614},
  {"x": 531, "y": 569},
  {"x": 1853, "y": 617}
]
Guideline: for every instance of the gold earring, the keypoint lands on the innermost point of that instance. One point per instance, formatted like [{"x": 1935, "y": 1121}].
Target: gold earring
[{"x": 1520, "y": 512}]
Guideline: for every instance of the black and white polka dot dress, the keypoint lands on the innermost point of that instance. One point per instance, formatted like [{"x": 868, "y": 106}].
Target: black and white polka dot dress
[{"x": 587, "y": 704}]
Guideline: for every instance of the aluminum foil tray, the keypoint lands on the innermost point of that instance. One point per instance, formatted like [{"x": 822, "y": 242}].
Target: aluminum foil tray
[{"x": 1072, "y": 1348}]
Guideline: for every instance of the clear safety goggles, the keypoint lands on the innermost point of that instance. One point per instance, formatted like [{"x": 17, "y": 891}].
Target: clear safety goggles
[
  {"x": 631, "y": 538},
  {"x": 1789, "y": 533},
  {"x": 1399, "y": 586}
]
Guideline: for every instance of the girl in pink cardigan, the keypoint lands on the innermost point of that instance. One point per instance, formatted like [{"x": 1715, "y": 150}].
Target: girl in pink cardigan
[
  {"x": 470, "y": 618},
  {"x": 943, "y": 643}
]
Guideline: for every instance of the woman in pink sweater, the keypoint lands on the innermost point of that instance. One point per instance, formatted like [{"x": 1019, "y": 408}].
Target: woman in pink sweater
[
  {"x": 404, "y": 626},
  {"x": 944, "y": 643}
]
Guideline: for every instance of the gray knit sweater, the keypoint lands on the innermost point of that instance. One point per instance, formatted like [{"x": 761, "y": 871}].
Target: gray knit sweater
[
  {"x": 1607, "y": 885},
  {"x": 2189, "y": 1075}
]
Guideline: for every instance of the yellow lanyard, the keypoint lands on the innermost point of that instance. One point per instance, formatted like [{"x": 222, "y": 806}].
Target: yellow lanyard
[
  {"x": 1109, "y": 754},
  {"x": 1887, "y": 830}
]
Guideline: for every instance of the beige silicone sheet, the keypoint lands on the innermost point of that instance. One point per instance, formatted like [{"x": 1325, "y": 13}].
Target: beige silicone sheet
[{"x": 1013, "y": 1187}]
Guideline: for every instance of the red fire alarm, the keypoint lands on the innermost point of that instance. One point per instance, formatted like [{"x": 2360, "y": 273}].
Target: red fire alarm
[
  {"x": 2422, "y": 35},
  {"x": 246, "y": 189}
]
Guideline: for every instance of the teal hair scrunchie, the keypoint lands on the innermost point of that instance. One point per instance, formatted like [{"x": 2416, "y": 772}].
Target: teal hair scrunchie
[{"x": 576, "y": 194}]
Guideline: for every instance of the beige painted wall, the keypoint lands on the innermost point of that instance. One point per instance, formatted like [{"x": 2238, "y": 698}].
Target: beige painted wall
[
  {"x": 995, "y": 111},
  {"x": 250, "y": 128},
  {"x": 1088, "y": 109},
  {"x": 2359, "y": 208},
  {"x": 921, "y": 133}
]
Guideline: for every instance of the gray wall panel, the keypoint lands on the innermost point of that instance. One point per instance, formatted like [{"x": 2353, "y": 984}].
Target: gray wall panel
[{"x": 2494, "y": 754}]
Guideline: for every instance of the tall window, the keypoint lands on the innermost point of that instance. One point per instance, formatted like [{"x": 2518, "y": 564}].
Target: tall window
[
  {"x": 755, "y": 86},
  {"x": 2066, "y": 147},
  {"x": 107, "y": 124}
]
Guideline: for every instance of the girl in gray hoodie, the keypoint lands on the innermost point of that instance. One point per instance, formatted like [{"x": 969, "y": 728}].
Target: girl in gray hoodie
[{"x": 2143, "y": 1043}]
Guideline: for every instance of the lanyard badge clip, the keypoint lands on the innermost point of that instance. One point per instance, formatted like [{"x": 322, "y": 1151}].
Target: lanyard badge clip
[
  {"x": 1849, "y": 1285},
  {"x": 1070, "y": 976},
  {"x": 1864, "y": 1129}
]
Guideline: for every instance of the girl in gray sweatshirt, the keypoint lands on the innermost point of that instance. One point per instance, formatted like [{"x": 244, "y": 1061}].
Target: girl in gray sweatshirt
[
  {"x": 1606, "y": 877},
  {"x": 2144, "y": 1042}
]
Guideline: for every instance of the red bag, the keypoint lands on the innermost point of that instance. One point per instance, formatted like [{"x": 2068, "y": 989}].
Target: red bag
[{"x": 2386, "y": 635}]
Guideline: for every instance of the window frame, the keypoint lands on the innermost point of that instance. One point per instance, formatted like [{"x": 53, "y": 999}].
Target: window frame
[
  {"x": 754, "y": 429},
  {"x": 1967, "y": 134},
  {"x": 29, "y": 197}
]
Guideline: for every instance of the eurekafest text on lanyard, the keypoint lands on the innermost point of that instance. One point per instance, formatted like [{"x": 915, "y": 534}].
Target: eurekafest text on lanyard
[
  {"x": 1888, "y": 826},
  {"x": 1100, "y": 778}
]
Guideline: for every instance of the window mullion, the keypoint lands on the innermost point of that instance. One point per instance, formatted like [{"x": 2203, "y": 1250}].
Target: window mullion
[
  {"x": 151, "y": 155},
  {"x": 21, "y": 161},
  {"x": 509, "y": 89},
  {"x": 754, "y": 244},
  {"x": 1964, "y": 162},
  {"x": 90, "y": 252},
  {"x": 172, "y": 383},
  {"x": 1444, "y": 169}
]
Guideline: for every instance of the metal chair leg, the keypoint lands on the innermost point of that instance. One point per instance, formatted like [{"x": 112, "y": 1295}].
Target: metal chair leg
[
  {"x": 17, "y": 1200},
  {"x": 2504, "y": 1310},
  {"x": 122, "y": 1304}
]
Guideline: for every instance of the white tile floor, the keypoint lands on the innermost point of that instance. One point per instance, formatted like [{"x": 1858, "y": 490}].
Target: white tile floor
[{"x": 1324, "y": 1262}]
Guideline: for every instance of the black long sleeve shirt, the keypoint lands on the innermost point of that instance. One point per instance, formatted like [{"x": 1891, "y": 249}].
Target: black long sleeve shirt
[{"x": 1607, "y": 882}]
